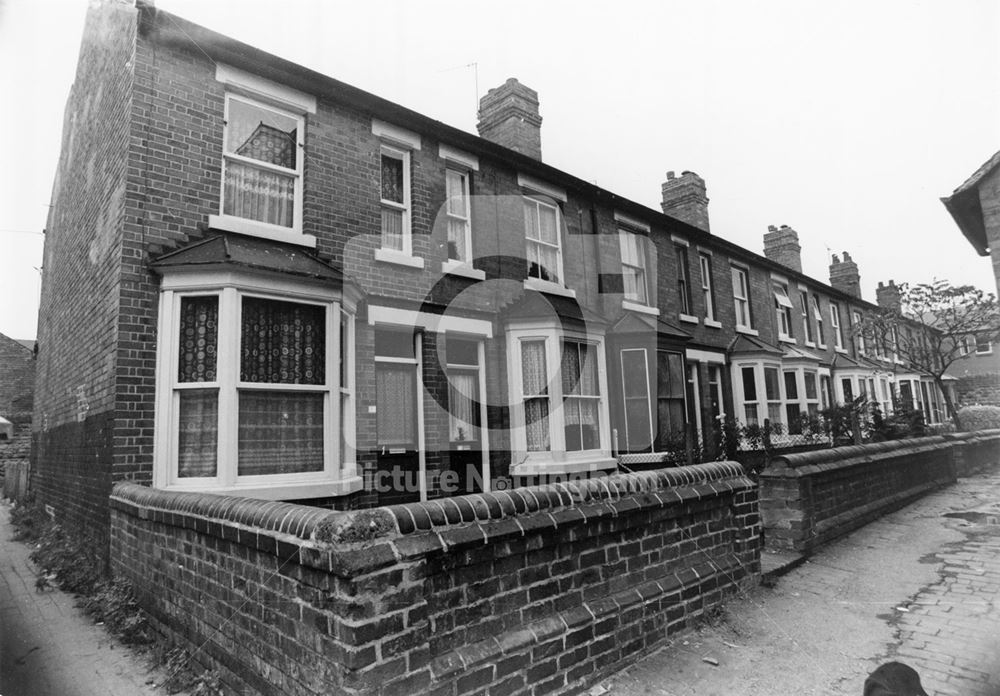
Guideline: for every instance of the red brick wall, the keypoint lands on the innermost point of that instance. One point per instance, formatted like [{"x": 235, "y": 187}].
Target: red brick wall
[
  {"x": 539, "y": 590},
  {"x": 17, "y": 380},
  {"x": 810, "y": 498},
  {"x": 76, "y": 367}
]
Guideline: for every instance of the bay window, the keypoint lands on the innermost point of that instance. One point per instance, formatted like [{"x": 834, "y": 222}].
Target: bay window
[
  {"x": 255, "y": 391},
  {"x": 560, "y": 387}
]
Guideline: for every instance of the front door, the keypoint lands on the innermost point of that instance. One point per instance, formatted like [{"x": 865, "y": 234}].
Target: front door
[
  {"x": 396, "y": 387},
  {"x": 465, "y": 416}
]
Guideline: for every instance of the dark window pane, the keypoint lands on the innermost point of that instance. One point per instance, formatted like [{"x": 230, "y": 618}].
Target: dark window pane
[
  {"x": 749, "y": 384},
  {"x": 392, "y": 179},
  {"x": 462, "y": 352},
  {"x": 394, "y": 343},
  {"x": 771, "y": 383},
  {"x": 634, "y": 373},
  {"x": 791, "y": 386},
  {"x": 810, "y": 385},
  {"x": 261, "y": 134},
  {"x": 282, "y": 342}
]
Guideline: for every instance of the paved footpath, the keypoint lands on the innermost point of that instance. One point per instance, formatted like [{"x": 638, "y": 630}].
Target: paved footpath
[
  {"x": 49, "y": 647},
  {"x": 914, "y": 586}
]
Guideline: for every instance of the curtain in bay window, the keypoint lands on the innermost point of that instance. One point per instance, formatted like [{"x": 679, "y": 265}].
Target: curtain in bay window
[
  {"x": 282, "y": 342},
  {"x": 199, "y": 337},
  {"x": 534, "y": 381},
  {"x": 463, "y": 392},
  {"x": 198, "y": 432},
  {"x": 280, "y": 432}
]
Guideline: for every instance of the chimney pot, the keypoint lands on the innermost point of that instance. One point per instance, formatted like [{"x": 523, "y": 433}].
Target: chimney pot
[
  {"x": 670, "y": 175},
  {"x": 844, "y": 275},
  {"x": 772, "y": 228},
  {"x": 781, "y": 245}
]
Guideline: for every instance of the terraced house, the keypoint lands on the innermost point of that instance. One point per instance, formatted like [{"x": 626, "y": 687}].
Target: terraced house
[{"x": 264, "y": 282}]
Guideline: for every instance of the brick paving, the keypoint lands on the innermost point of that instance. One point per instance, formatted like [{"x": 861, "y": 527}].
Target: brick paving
[
  {"x": 914, "y": 586},
  {"x": 49, "y": 647}
]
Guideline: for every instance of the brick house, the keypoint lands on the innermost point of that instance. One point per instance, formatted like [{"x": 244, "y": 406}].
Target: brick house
[
  {"x": 262, "y": 281},
  {"x": 975, "y": 207}
]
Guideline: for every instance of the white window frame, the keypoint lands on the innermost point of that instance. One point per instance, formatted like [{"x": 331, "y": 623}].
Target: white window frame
[
  {"x": 626, "y": 397},
  {"x": 556, "y": 459},
  {"x": 818, "y": 315},
  {"x": 707, "y": 291},
  {"x": 627, "y": 239},
  {"x": 783, "y": 311},
  {"x": 540, "y": 200},
  {"x": 857, "y": 321},
  {"x": 249, "y": 226},
  {"x": 462, "y": 267},
  {"x": 808, "y": 333},
  {"x": 339, "y": 475},
  {"x": 838, "y": 334},
  {"x": 743, "y": 274},
  {"x": 989, "y": 347},
  {"x": 404, "y": 208},
  {"x": 762, "y": 403}
]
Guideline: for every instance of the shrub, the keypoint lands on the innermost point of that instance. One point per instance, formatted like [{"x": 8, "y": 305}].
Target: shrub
[{"x": 979, "y": 417}]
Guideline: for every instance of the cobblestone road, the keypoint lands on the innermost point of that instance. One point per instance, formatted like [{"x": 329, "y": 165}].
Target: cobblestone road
[{"x": 915, "y": 586}]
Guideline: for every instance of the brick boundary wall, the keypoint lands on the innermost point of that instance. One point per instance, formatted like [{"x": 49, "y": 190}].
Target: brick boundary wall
[
  {"x": 974, "y": 452},
  {"x": 529, "y": 591},
  {"x": 811, "y": 498}
]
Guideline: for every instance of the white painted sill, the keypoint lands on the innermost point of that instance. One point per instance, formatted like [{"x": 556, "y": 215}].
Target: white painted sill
[
  {"x": 687, "y": 318},
  {"x": 788, "y": 339},
  {"x": 548, "y": 287},
  {"x": 712, "y": 324},
  {"x": 463, "y": 269},
  {"x": 280, "y": 491},
  {"x": 747, "y": 330},
  {"x": 398, "y": 258},
  {"x": 576, "y": 466},
  {"x": 251, "y": 228},
  {"x": 640, "y": 308}
]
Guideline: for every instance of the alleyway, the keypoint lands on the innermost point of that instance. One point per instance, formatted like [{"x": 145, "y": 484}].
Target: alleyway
[
  {"x": 914, "y": 586},
  {"x": 48, "y": 647}
]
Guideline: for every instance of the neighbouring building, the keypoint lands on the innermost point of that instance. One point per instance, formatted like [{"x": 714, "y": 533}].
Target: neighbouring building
[
  {"x": 265, "y": 282},
  {"x": 17, "y": 389},
  {"x": 975, "y": 206}
]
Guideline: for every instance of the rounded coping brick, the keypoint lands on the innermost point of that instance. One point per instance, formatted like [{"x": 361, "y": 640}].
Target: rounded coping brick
[{"x": 854, "y": 452}]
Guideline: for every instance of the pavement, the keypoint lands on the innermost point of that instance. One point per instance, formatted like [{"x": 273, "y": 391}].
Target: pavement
[
  {"x": 49, "y": 647},
  {"x": 919, "y": 586}
]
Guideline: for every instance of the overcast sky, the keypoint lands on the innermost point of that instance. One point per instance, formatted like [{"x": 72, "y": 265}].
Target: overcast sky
[{"x": 847, "y": 121}]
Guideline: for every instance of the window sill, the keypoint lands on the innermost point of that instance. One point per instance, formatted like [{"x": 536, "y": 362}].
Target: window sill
[
  {"x": 640, "y": 308},
  {"x": 399, "y": 258},
  {"x": 809, "y": 344},
  {"x": 842, "y": 351},
  {"x": 747, "y": 330},
  {"x": 821, "y": 346},
  {"x": 548, "y": 287},
  {"x": 282, "y": 491},
  {"x": 463, "y": 269},
  {"x": 251, "y": 228},
  {"x": 578, "y": 466},
  {"x": 687, "y": 318},
  {"x": 788, "y": 339},
  {"x": 712, "y": 324}
]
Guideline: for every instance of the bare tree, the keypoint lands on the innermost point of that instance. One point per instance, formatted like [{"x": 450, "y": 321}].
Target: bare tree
[{"x": 930, "y": 328}]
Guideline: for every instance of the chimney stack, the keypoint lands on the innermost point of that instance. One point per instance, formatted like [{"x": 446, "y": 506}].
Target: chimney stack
[
  {"x": 844, "y": 275},
  {"x": 781, "y": 245},
  {"x": 888, "y": 296},
  {"x": 508, "y": 116},
  {"x": 684, "y": 198}
]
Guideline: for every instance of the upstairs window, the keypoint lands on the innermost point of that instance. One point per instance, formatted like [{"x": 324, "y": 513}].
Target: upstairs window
[
  {"x": 783, "y": 311},
  {"x": 542, "y": 234},
  {"x": 262, "y": 166},
  {"x": 807, "y": 327},
  {"x": 838, "y": 334},
  {"x": 983, "y": 346},
  {"x": 707, "y": 292},
  {"x": 683, "y": 280},
  {"x": 459, "y": 215},
  {"x": 818, "y": 315},
  {"x": 394, "y": 194},
  {"x": 633, "y": 266},
  {"x": 858, "y": 335},
  {"x": 741, "y": 298}
]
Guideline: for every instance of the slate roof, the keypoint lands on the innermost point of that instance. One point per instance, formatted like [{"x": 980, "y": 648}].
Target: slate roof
[{"x": 966, "y": 208}]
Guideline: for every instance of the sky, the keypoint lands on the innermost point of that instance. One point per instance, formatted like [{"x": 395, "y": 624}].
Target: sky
[{"x": 846, "y": 121}]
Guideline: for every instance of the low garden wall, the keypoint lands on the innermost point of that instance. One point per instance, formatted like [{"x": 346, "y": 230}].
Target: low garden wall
[
  {"x": 810, "y": 498},
  {"x": 533, "y": 590}
]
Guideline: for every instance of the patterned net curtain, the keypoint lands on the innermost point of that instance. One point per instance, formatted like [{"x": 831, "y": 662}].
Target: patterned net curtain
[
  {"x": 396, "y": 399},
  {"x": 259, "y": 193},
  {"x": 580, "y": 396},
  {"x": 198, "y": 409},
  {"x": 534, "y": 380},
  {"x": 281, "y": 431},
  {"x": 463, "y": 393}
]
